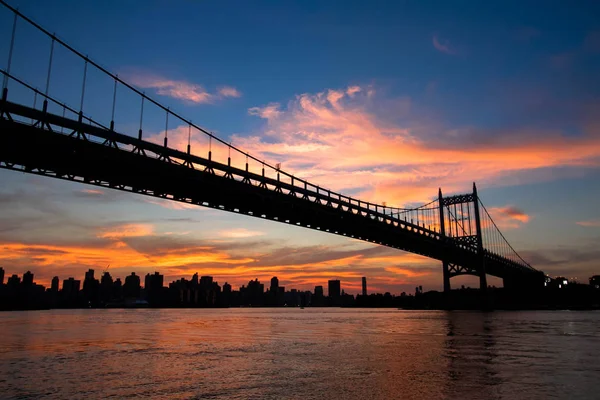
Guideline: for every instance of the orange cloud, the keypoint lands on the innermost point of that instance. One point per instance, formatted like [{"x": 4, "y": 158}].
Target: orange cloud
[
  {"x": 239, "y": 233},
  {"x": 590, "y": 223},
  {"x": 337, "y": 139},
  {"x": 93, "y": 191},
  {"x": 509, "y": 216},
  {"x": 126, "y": 230}
]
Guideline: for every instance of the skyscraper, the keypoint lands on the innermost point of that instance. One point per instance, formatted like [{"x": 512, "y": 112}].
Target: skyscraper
[
  {"x": 334, "y": 288},
  {"x": 54, "y": 285},
  {"x": 131, "y": 288},
  {"x": 274, "y": 285},
  {"x": 27, "y": 279},
  {"x": 1, "y": 276},
  {"x": 319, "y": 291},
  {"x": 364, "y": 285}
]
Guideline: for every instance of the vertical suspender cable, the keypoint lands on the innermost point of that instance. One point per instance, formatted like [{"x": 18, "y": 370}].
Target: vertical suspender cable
[{"x": 10, "y": 53}]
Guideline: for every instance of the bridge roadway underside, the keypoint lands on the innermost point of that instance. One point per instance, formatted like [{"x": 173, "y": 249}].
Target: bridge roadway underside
[{"x": 26, "y": 148}]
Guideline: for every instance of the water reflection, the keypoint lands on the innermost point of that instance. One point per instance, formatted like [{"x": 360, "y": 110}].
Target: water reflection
[{"x": 291, "y": 353}]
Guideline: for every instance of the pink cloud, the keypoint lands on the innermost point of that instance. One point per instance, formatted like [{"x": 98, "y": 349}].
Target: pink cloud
[
  {"x": 179, "y": 89},
  {"x": 337, "y": 139},
  {"x": 228, "y": 91},
  {"x": 269, "y": 112},
  {"x": 443, "y": 45},
  {"x": 509, "y": 217}
]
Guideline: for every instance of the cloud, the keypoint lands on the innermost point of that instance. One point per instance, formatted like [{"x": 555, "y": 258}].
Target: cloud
[
  {"x": 228, "y": 91},
  {"x": 509, "y": 217},
  {"x": 180, "y": 89},
  {"x": 344, "y": 143},
  {"x": 269, "y": 112},
  {"x": 239, "y": 233},
  {"x": 126, "y": 230},
  {"x": 443, "y": 45},
  {"x": 590, "y": 223},
  {"x": 93, "y": 192}
]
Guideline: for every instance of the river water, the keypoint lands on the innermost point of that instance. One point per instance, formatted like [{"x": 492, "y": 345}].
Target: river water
[{"x": 299, "y": 354}]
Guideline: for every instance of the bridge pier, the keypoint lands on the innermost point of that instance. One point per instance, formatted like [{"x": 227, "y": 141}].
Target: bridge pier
[{"x": 446, "y": 269}]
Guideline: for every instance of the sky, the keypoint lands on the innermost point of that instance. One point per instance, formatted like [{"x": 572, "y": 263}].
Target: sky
[{"x": 386, "y": 101}]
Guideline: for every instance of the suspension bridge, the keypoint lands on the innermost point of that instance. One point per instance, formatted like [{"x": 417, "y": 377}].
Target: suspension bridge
[{"x": 43, "y": 135}]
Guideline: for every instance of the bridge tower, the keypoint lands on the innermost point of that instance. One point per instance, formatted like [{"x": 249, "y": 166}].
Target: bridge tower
[{"x": 460, "y": 222}]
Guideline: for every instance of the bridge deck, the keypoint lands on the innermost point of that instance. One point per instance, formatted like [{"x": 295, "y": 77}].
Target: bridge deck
[{"x": 101, "y": 157}]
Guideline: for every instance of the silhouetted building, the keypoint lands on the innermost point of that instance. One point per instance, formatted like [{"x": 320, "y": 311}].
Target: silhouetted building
[
  {"x": 274, "y": 284},
  {"x": 131, "y": 288},
  {"x": 106, "y": 287},
  {"x": 1, "y": 276},
  {"x": 254, "y": 293},
  {"x": 595, "y": 281},
  {"x": 54, "y": 285},
  {"x": 70, "y": 291},
  {"x": 364, "y": 285},
  {"x": 13, "y": 282},
  {"x": 153, "y": 285},
  {"x": 89, "y": 275},
  {"x": 91, "y": 288},
  {"x": 226, "y": 288},
  {"x": 334, "y": 288},
  {"x": 28, "y": 279},
  {"x": 319, "y": 291},
  {"x": 117, "y": 290}
]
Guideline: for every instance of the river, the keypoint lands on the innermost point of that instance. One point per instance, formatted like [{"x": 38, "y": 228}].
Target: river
[{"x": 282, "y": 353}]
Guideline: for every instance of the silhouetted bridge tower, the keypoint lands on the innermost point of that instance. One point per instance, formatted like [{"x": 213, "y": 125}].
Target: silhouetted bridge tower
[{"x": 41, "y": 135}]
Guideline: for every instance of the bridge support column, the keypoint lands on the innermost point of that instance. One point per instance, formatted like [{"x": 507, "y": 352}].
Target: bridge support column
[
  {"x": 445, "y": 264},
  {"x": 481, "y": 257},
  {"x": 446, "y": 269}
]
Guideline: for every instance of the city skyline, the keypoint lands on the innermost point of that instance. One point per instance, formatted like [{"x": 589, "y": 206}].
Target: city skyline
[
  {"x": 57, "y": 282},
  {"x": 522, "y": 121}
]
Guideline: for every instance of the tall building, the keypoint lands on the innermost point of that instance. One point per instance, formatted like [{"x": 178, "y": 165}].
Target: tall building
[
  {"x": 319, "y": 291},
  {"x": 1, "y": 276},
  {"x": 206, "y": 282},
  {"x": 106, "y": 287},
  {"x": 334, "y": 287},
  {"x": 274, "y": 285},
  {"x": 54, "y": 285},
  {"x": 226, "y": 288},
  {"x": 364, "y": 285},
  {"x": 28, "y": 279},
  {"x": 89, "y": 275},
  {"x": 131, "y": 288},
  {"x": 14, "y": 281},
  {"x": 70, "y": 287}
]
